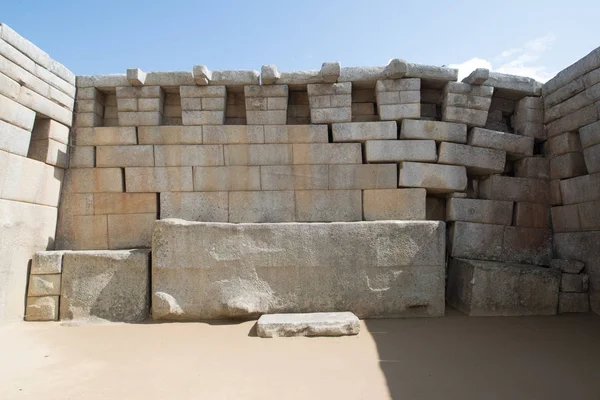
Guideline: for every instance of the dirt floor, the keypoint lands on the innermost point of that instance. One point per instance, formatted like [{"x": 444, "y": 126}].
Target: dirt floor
[{"x": 455, "y": 357}]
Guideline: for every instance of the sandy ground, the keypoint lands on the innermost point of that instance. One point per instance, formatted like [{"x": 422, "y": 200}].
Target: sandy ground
[{"x": 455, "y": 357}]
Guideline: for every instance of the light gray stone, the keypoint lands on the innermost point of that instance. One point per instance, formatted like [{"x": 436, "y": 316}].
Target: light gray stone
[
  {"x": 361, "y": 176},
  {"x": 516, "y": 146},
  {"x": 478, "y": 210},
  {"x": 373, "y": 269},
  {"x": 261, "y": 206},
  {"x": 14, "y": 139},
  {"x": 567, "y": 266},
  {"x": 462, "y": 115},
  {"x": 533, "y": 167},
  {"x": 202, "y": 75},
  {"x": 136, "y": 76},
  {"x": 47, "y": 262},
  {"x": 567, "y": 142},
  {"x": 478, "y": 76},
  {"x": 328, "y": 205},
  {"x": 400, "y": 150},
  {"x": 42, "y": 308},
  {"x": 205, "y": 206},
  {"x": 500, "y": 243},
  {"x": 330, "y": 71},
  {"x": 433, "y": 177},
  {"x": 44, "y": 285},
  {"x": 294, "y": 177},
  {"x": 431, "y": 72},
  {"x": 269, "y": 74},
  {"x": 311, "y": 324},
  {"x": 477, "y": 160},
  {"x": 110, "y": 285},
  {"x": 515, "y": 85},
  {"x": 362, "y": 131},
  {"x": 573, "y": 121},
  {"x": 573, "y": 71},
  {"x": 483, "y": 288},
  {"x": 394, "y": 204},
  {"x": 235, "y": 78},
  {"x": 573, "y": 303},
  {"x": 433, "y": 130}
]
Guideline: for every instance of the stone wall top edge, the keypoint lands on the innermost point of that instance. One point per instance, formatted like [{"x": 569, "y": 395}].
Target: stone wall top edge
[
  {"x": 34, "y": 53},
  {"x": 182, "y": 222}
]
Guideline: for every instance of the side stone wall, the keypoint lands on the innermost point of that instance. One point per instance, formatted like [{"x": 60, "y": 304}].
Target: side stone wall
[
  {"x": 36, "y": 110},
  {"x": 572, "y": 113}
]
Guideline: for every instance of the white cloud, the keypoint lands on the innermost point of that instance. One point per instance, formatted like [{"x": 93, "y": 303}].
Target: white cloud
[{"x": 522, "y": 60}]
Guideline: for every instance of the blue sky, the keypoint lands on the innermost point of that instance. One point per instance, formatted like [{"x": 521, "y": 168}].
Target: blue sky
[{"x": 534, "y": 38}]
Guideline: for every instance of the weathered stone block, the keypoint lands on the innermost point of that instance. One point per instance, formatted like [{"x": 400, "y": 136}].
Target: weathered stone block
[
  {"x": 580, "y": 189},
  {"x": 110, "y": 285},
  {"x": 500, "y": 243},
  {"x": 47, "y": 262},
  {"x": 124, "y": 203},
  {"x": 328, "y": 205},
  {"x": 206, "y": 206},
  {"x": 590, "y": 134},
  {"x": 514, "y": 145},
  {"x": 82, "y": 157},
  {"x": 532, "y": 215},
  {"x": 130, "y": 231},
  {"x": 330, "y": 115},
  {"x": 570, "y": 165},
  {"x": 573, "y": 303},
  {"x": 296, "y": 134},
  {"x": 433, "y": 177},
  {"x": 93, "y": 180},
  {"x": 592, "y": 160},
  {"x": 49, "y": 151},
  {"x": 357, "y": 176},
  {"x": 258, "y": 154},
  {"x": 397, "y": 112},
  {"x": 467, "y": 116},
  {"x": 104, "y": 136},
  {"x": 170, "y": 134},
  {"x": 231, "y": 178},
  {"x": 267, "y": 117},
  {"x": 294, "y": 177},
  {"x": 567, "y": 142},
  {"x": 312, "y": 324},
  {"x": 567, "y": 266},
  {"x": 159, "y": 179},
  {"x": 202, "y": 117},
  {"x": 14, "y": 139},
  {"x": 527, "y": 190},
  {"x": 207, "y": 270},
  {"x": 125, "y": 156},
  {"x": 232, "y": 134},
  {"x": 477, "y": 160},
  {"x": 264, "y": 206},
  {"x": 327, "y": 153},
  {"x": 555, "y": 196},
  {"x": 394, "y": 204},
  {"x": 480, "y": 211},
  {"x": 483, "y": 288},
  {"x": 42, "y": 308},
  {"x": 188, "y": 155},
  {"x": 400, "y": 150},
  {"x": 16, "y": 114},
  {"x": 44, "y": 285},
  {"x": 566, "y": 218},
  {"x": 433, "y": 130},
  {"x": 574, "y": 283},
  {"x": 362, "y": 131}
]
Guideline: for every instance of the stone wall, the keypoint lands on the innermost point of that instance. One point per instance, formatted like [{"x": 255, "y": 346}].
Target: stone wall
[
  {"x": 36, "y": 110},
  {"x": 572, "y": 113}
]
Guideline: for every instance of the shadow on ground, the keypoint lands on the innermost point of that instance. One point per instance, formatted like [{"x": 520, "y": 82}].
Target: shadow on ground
[{"x": 460, "y": 357}]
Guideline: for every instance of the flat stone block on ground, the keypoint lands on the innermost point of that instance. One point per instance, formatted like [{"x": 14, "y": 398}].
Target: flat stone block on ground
[
  {"x": 109, "y": 285},
  {"x": 311, "y": 324},
  {"x": 41, "y": 308},
  {"x": 373, "y": 269},
  {"x": 483, "y": 288}
]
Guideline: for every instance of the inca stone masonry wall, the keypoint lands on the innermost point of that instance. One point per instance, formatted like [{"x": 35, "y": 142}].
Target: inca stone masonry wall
[{"x": 489, "y": 156}]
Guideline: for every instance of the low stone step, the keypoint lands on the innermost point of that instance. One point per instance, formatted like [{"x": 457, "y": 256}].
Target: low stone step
[{"x": 309, "y": 324}]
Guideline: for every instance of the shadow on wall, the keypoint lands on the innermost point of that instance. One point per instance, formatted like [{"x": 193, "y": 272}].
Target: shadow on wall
[{"x": 460, "y": 357}]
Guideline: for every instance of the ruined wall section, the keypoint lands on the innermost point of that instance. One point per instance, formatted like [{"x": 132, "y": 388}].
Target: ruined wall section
[
  {"x": 572, "y": 113},
  {"x": 36, "y": 111}
]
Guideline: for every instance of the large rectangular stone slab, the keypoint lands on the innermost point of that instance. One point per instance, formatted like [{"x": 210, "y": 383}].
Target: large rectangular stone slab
[
  {"x": 108, "y": 285},
  {"x": 580, "y": 189},
  {"x": 435, "y": 178},
  {"x": 361, "y": 131},
  {"x": 484, "y": 288},
  {"x": 159, "y": 179},
  {"x": 500, "y": 243},
  {"x": 328, "y": 205},
  {"x": 373, "y": 269},
  {"x": 204, "y": 206},
  {"x": 400, "y": 150},
  {"x": 433, "y": 130},
  {"x": 361, "y": 176},
  {"x": 479, "y": 210},
  {"x": 477, "y": 160},
  {"x": 514, "y": 145},
  {"x": 507, "y": 188},
  {"x": 294, "y": 177},
  {"x": 309, "y": 324},
  {"x": 394, "y": 204},
  {"x": 261, "y": 206}
]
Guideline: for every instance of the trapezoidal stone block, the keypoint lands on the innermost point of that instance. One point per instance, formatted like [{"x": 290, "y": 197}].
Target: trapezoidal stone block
[
  {"x": 485, "y": 288},
  {"x": 433, "y": 130},
  {"x": 435, "y": 178},
  {"x": 480, "y": 211},
  {"x": 373, "y": 269},
  {"x": 109, "y": 285},
  {"x": 477, "y": 160},
  {"x": 515, "y": 146}
]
